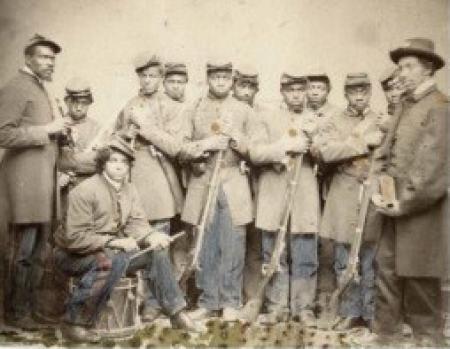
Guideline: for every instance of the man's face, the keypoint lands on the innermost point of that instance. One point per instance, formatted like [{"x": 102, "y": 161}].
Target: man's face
[
  {"x": 175, "y": 85},
  {"x": 78, "y": 107},
  {"x": 220, "y": 83},
  {"x": 317, "y": 92},
  {"x": 412, "y": 72},
  {"x": 42, "y": 62},
  {"x": 358, "y": 97},
  {"x": 244, "y": 91},
  {"x": 294, "y": 95},
  {"x": 117, "y": 167},
  {"x": 394, "y": 92},
  {"x": 149, "y": 79}
]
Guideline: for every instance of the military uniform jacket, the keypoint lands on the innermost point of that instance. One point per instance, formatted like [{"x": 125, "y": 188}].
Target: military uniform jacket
[
  {"x": 153, "y": 172},
  {"x": 98, "y": 213},
  {"x": 419, "y": 166},
  {"x": 234, "y": 118},
  {"x": 28, "y": 168},
  {"x": 344, "y": 146},
  {"x": 79, "y": 159},
  {"x": 273, "y": 184}
]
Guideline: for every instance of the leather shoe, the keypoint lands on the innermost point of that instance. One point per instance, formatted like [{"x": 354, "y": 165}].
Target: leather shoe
[
  {"x": 181, "y": 320},
  {"x": 150, "y": 314},
  {"x": 347, "y": 323},
  {"x": 230, "y": 314},
  {"x": 307, "y": 318},
  {"x": 79, "y": 334},
  {"x": 202, "y": 314}
]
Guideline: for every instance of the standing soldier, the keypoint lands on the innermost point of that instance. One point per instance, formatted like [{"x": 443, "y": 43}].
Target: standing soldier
[
  {"x": 245, "y": 88},
  {"x": 218, "y": 127},
  {"x": 175, "y": 108},
  {"x": 78, "y": 161},
  {"x": 143, "y": 121},
  {"x": 349, "y": 141},
  {"x": 274, "y": 139},
  {"x": 319, "y": 88},
  {"x": 410, "y": 256},
  {"x": 29, "y": 131}
]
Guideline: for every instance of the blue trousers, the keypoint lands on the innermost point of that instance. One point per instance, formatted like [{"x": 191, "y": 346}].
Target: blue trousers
[
  {"x": 97, "y": 283},
  {"x": 221, "y": 261},
  {"x": 295, "y": 285},
  {"x": 358, "y": 300},
  {"x": 150, "y": 301}
]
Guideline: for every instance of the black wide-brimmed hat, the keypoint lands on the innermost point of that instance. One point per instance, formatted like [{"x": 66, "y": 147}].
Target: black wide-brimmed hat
[{"x": 420, "y": 47}]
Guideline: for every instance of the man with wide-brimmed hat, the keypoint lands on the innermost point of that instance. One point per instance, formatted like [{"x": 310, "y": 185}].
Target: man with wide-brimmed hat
[
  {"x": 29, "y": 131},
  {"x": 348, "y": 143},
  {"x": 277, "y": 141},
  {"x": 410, "y": 257}
]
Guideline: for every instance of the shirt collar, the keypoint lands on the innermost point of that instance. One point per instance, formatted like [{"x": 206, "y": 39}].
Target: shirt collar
[
  {"x": 423, "y": 89},
  {"x": 116, "y": 185},
  {"x": 26, "y": 69}
]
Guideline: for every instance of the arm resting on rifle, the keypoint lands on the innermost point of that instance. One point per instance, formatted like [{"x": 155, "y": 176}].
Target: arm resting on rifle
[
  {"x": 162, "y": 140},
  {"x": 76, "y": 161},
  {"x": 261, "y": 150}
]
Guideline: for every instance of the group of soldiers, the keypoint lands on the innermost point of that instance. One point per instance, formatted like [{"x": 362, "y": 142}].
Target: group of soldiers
[{"x": 234, "y": 174}]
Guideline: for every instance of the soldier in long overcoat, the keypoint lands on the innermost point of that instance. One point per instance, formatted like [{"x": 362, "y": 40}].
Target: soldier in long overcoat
[
  {"x": 348, "y": 144},
  {"x": 278, "y": 134}
]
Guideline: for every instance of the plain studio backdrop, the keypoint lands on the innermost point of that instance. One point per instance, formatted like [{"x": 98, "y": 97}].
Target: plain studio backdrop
[{"x": 100, "y": 39}]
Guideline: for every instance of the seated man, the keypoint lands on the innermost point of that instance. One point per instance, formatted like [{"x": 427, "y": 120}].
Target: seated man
[{"x": 106, "y": 225}]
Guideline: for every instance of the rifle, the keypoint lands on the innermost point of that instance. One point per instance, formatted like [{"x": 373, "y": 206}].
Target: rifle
[
  {"x": 201, "y": 228},
  {"x": 151, "y": 248},
  {"x": 352, "y": 270},
  {"x": 66, "y": 137},
  {"x": 253, "y": 306}
]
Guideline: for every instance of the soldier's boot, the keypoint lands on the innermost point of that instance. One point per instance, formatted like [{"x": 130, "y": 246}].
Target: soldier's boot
[
  {"x": 307, "y": 318},
  {"x": 347, "y": 323},
  {"x": 303, "y": 293},
  {"x": 182, "y": 320},
  {"x": 273, "y": 317},
  {"x": 79, "y": 334},
  {"x": 231, "y": 314},
  {"x": 150, "y": 314},
  {"x": 202, "y": 314}
]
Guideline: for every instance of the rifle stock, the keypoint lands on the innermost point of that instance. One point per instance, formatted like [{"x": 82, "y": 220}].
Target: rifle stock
[
  {"x": 200, "y": 229},
  {"x": 352, "y": 270},
  {"x": 253, "y": 307}
]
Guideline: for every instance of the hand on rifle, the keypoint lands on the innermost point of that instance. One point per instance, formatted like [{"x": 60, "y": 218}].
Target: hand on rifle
[
  {"x": 295, "y": 145},
  {"x": 56, "y": 127},
  {"x": 124, "y": 244},
  {"x": 157, "y": 241},
  {"x": 391, "y": 209},
  {"x": 374, "y": 139},
  {"x": 216, "y": 143},
  {"x": 64, "y": 178},
  {"x": 131, "y": 132}
]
